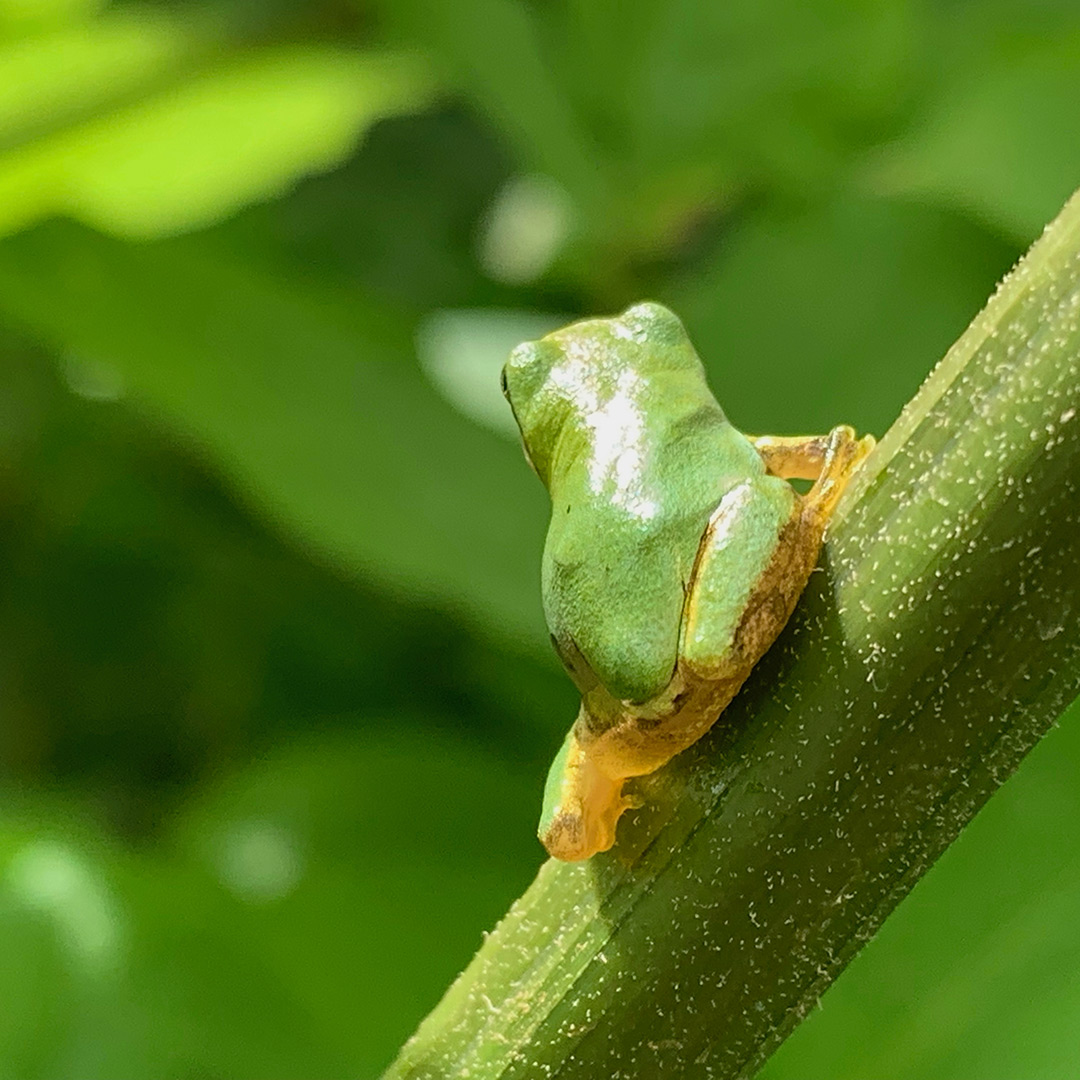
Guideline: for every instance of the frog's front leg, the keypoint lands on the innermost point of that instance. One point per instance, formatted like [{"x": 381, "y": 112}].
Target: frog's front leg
[{"x": 829, "y": 458}]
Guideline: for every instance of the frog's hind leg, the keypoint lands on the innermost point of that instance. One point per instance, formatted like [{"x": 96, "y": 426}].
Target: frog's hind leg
[{"x": 828, "y": 460}]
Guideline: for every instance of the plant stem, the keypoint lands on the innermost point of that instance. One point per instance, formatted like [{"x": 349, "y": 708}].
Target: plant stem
[{"x": 938, "y": 642}]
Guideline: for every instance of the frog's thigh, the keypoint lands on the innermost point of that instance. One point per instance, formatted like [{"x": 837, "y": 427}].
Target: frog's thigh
[{"x": 740, "y": 543}]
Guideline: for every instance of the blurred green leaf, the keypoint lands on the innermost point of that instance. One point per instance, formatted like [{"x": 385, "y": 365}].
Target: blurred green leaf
[
  {"x": 193, "y": 994},
  {"x": 998, "y": 141},
  {"x": 368, "y": 868},
  {"x": 810, "y": 318},
  {"x": 493, "y": 50},
  {"x": 645, "y": 116},
  {"x": 306, "y": 914},
  {"x": 780, "y": 90},
  {"x": 40, "y": 994},
  {"x": 463, "y": 353},
  {"x": 23, "y": 15},
  {"x": 310, "y": 399},
  {"x": 51, "y": 78},
  {"x": 189, "y": 156},
  {"x": 399, "y": 219},
  {"x": 151, "y": 627}
]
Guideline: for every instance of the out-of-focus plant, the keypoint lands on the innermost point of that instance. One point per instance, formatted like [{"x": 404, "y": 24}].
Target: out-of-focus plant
[{"x": 272, "y": 667}]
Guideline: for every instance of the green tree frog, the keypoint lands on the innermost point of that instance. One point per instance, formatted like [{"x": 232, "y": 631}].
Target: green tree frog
[{"x": 676, "y": 550}]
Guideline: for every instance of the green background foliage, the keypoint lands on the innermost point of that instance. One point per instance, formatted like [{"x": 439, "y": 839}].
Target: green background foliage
[{"x": 276, "y": 694}]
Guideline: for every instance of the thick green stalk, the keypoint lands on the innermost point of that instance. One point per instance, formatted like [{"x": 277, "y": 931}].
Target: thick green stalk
[{"x": 938, "y": 642}]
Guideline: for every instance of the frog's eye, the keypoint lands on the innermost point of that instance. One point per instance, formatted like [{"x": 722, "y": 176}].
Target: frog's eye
[
  {"x": 575, "y": 663},
  {"x": 655, "y": 321}
]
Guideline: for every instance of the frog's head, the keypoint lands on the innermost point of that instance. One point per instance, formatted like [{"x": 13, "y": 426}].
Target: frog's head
[
  {"x": 574, "y": 372},
  {"x": 582, "y": 806}
]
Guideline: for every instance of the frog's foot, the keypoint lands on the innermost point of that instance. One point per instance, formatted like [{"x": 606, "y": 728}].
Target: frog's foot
[
  {"x": 581, "y": 829},
  {"x": 829, "y": 460},
  {"x": 588, "y": 807}
]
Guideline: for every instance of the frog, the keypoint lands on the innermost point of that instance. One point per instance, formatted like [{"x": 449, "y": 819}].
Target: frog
[{"x": 676, "y": 551}]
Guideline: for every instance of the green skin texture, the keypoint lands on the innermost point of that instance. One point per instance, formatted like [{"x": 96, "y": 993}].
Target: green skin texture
[{"x": 620, "y": 425}]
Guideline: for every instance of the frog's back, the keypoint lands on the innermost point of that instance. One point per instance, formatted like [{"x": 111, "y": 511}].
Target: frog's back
[{"x": 636, "y": 465}]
